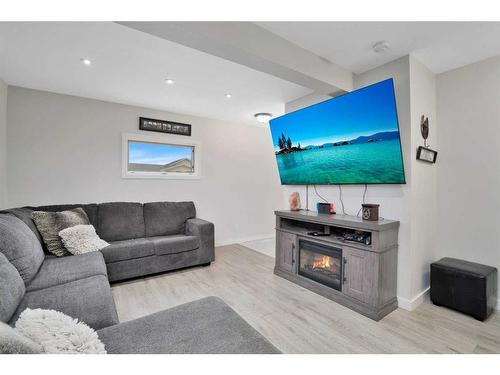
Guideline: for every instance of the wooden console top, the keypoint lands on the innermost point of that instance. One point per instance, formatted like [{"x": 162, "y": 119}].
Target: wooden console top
[{"x": 338, "y": 219}]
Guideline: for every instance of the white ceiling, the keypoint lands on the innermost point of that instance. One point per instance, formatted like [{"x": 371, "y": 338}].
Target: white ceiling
[
  {"x": 130, "y": 67},
  {"x": 441, "y": 46}
]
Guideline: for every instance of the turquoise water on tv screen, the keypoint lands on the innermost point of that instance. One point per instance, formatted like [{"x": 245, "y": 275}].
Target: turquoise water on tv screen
[
  {"x": 367, "y": 163},
  {"x": 351, "y": 139}
]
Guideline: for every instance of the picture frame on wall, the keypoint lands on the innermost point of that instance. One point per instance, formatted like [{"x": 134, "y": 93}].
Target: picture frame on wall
[
  {"x": 164, "y": 126},
  {"x": 426, "y": 154}
]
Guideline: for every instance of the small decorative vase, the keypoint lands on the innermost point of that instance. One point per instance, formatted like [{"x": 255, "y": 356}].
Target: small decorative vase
[{"x": 294, "y": 201}]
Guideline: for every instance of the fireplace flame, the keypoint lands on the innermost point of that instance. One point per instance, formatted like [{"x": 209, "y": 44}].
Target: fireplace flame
[{"x": 323, "y": 262}]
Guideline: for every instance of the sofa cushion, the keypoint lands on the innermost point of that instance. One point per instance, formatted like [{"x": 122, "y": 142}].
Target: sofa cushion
[
  {"x": 165, "y": 245},
  {"x": 24, "y": 214},
  {"x": 60, "y": 270},
  {"x": 165, "y": 218},
  {"x": 128, "y": 249},
  {"x": 11, "y": 289},
  {"x": 204, "y": 326},
  {"x": 120, "y": 221},
  {"x": 20, "y": 246},
  {"x": 49, "y": 224},
  {"x": 88, "y": 300}
]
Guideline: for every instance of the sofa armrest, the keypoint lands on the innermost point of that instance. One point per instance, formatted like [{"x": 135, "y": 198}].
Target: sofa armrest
[{"x": 205, "y": 230}]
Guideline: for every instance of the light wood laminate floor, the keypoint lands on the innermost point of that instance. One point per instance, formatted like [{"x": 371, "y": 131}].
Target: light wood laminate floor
[{"x": 299, "y": 321}]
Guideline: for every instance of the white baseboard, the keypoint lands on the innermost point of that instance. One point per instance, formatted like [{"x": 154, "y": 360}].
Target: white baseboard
[
  {"x": 412, "y": 304},
  {"x": 244, "y": 239}
]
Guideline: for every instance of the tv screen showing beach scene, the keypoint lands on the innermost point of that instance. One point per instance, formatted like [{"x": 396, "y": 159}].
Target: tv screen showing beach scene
[{"x": 351, "y": 139}]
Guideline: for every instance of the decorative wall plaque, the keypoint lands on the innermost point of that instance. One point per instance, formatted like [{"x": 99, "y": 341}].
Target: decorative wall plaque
[{"x": 163, "y": 126}]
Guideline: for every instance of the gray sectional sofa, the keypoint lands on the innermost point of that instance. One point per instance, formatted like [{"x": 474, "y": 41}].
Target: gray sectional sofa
[{"x": 145, "y": 239}]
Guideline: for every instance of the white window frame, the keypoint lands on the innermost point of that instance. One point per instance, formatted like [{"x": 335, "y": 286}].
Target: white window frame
[{"x": 162, "y": 139}]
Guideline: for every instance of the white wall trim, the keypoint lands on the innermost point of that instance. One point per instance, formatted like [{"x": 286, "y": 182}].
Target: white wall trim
[
  {"x": 244, "y": 239},
  {"x": 412, "y": 304}
]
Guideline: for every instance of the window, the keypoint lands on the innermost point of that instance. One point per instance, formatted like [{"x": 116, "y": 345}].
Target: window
[{"x": 154, "y": 156}]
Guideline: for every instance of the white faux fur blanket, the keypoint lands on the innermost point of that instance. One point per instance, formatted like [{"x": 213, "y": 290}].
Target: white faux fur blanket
[{"x": 56, "y": 332}]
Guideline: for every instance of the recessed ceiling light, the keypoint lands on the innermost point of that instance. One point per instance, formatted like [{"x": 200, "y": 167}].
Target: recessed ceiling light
[
  {"x": 228, "y": 96},
  {"x": 85, "y": 61},
  {"x": 169, "y": 81},
  {"x": 381, "y": 47},
  {"x": 263, "y": 117}
]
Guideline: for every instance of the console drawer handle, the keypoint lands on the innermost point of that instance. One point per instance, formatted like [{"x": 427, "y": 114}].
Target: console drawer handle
[{"x": 344, "y": 279}]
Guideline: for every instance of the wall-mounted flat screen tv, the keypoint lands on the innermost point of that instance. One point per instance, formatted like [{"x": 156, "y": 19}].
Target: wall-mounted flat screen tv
[{"x": 350, "y": 139}]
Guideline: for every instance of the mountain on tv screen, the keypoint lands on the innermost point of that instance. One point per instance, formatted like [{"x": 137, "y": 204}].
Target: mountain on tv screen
[{"x": 351, "y": 139}]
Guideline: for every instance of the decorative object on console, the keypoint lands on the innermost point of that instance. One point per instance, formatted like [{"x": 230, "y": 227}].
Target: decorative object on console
[
  {"x": 56, "y": 332},
  {"x": 163, "y": 126},
  {"x": 325, "y": 208},
  {"x": 424, "y": 153},
  {"x": 81, "y": 239},
  {"x": 370, "y": 211},
  {"x": 294, "y": 201},
  {"x": 49, "y": 224}
]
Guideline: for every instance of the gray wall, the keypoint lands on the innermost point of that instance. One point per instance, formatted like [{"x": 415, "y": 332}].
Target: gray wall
[
  {"x": 68, "y": 149},
  {"x": 469, "y": 163},
  {"x": 3, "y": 144}
]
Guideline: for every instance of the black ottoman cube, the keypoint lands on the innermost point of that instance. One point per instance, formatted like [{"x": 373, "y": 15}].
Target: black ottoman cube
[{"x": 464, "y": 286}]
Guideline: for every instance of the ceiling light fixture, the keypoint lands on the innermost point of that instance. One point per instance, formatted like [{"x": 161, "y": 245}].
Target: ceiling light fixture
[
  {"x": 381, "y": 47},
  {"x": 85, "y": 61},
  {"x": 263, "y": 117},
  {"x": 169, "y": 81},
  {"x": 228, "y": 96}
]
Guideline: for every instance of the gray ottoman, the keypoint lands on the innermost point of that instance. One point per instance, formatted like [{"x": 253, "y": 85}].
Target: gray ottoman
[{"x": 204, "y": 326}]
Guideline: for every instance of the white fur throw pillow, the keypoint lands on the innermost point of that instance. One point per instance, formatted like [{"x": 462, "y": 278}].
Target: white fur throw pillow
[
  {"x": 81, "y": 239},
  {"x": 56, "y": 332}
]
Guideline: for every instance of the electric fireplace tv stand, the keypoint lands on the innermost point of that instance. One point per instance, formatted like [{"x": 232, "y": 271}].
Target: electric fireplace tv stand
[{"x": 353, "y": 263}]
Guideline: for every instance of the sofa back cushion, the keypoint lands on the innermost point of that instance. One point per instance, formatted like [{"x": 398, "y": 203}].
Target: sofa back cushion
[
  {"x": 25, "y": 214},
  {"x": 119, "y": 221},
  {"x": 12, "y": 289},
  {"x": 20, "y": 246},
  {"x": 90, "y": 209},
  {"x": 166, "y": 218}
]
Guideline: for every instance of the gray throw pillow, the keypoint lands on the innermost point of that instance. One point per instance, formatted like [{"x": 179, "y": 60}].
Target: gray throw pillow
[
  {"x": 12, "y": 342},
  {"x": 49, "y": 224}
]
